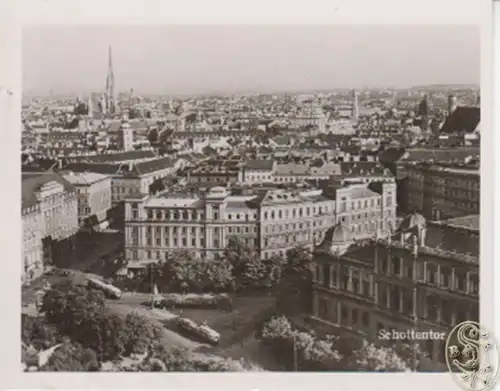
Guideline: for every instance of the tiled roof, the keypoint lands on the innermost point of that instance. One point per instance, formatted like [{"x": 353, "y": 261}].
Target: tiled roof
[
  {"x": 471, "y": 222},
  {"x": 361, "y": 192},
  {"x": 260, "y": 164},
  {"x": 114, "y": 157},
  {"x": 440, "y": 154},
  {"x": 84, "y": 178},
  {"x": 137, "y": 169},
  {"x": 292, "y": 169},
  {"x": 32, "y": 182}
]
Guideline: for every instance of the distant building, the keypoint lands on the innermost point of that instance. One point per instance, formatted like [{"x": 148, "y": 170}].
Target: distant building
[
  {"x": 419, "y": 280},
  {"x": 128, "y": 177},
  {"x": 50, "y": 221},
  {"x": 94, "y": 194},
  {"x": 125, "y": 140},
  {"x": 355, "y": 106},
  {"x": 258, "y": 171}
]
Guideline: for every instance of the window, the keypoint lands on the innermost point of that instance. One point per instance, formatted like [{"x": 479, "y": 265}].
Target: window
[
  {"x": 432, "y": 303},
  {"x": 366, "y": 284},
  {"x": 334, "y": 273},
  {"x": 354, "y": 316},
  {"x": 343, "y": 314},
  {"x": 323, "y": 308},
  {"x": 474, "y": 284},
  {"x": 383, "y": 295},
  {"x": 431, "y": 273},
  {"x": 366, "y": 319},
  {"x": 355, "y": 281},
  {"x": 396, "y": 266}
]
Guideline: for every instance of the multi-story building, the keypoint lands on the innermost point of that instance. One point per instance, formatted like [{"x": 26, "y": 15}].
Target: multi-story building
[
  {"x": 125, "y": 139},
  {"x": 441, "y": 191},
  {"x": 129, "y": 177},
  {"x": 94, "y": 194},
  {"x": 419, "y": 279},
  {"x": 271, "y": 220},
  {"x": 216, "y": 173},
  {"x": 258, "y": 171},
  {"x": 50, "y": 221}
]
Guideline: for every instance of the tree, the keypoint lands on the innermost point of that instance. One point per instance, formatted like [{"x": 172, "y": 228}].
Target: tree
[
  {"x": 174, "y": 359},
  {"x": 208, "y": 151},
  {"x": 317, "y": 163},
  {"x": 369, "y": 357},
  {"x": 299, "y": 262},
  {"x": 105, "y": 333},
  {"x": 37, "y": 333},
  {"x": 68, "y": 306},
  {"x": 298, "y": 349},
  {"x": 72, "y": 357},
  {"x": 197, "y": 274},
  {"x": 79, "y": 312},
  {"x": 153, "y": 136},
  {"x": 156, "y": 186},
  {"x": 140, "y": 334}
]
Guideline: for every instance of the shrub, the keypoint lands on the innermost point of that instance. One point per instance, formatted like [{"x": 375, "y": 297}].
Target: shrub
[
  {"x": 193, "y": 300},
  {"x": 72, "y": 357},
  {"x": 37, "y": 333},
  {"x": 298, "y": 349}
]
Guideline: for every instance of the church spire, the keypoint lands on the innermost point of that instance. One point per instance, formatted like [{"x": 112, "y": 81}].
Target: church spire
[{"x": 110, "y": 84}]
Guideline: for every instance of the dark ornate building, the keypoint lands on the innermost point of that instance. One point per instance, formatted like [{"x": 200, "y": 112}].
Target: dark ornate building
[{"x": 418, "y": 279}]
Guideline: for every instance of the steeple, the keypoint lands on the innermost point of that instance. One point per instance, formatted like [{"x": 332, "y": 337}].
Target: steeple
[{"x": 110, "y": 84}]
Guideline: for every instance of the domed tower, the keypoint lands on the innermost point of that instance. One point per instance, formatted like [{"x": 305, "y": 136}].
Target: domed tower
[
  {"x": 413, "y": 225},
  {"x": 337, "y": 240}
]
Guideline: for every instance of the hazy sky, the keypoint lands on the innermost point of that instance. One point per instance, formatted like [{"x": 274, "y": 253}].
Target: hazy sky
[{"x": 202, "y": 59}]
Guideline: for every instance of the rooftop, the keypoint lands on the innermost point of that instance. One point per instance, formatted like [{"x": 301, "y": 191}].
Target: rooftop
[
  {"x": 84, "y": 178},
  {"x": 471, "y": 222},
  {"x": 33, "y": 182}
]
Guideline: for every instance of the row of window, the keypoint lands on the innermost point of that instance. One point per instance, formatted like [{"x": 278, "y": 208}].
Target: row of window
[
  {"x": 349, "y": 277},
  {"x": 351, "y": 317},
  {"x": 297, "y": 212},
  {"x": 431, "y": 273}
]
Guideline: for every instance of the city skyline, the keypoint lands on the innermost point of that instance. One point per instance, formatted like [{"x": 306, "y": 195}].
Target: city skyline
[{"x": 203, "y": 59}]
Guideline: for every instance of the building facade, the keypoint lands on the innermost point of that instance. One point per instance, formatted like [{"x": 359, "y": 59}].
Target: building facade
[
  {"x": 401, "y": 283},
  {"x": 272, "y": 221},
  {"x": 94, "y": 194},
  {"x": 50, "y": 216},
  {"x": 440, "y": 191},
  {"x": 125, "y": 138}
]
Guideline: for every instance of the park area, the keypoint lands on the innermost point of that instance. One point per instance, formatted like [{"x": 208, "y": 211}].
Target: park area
[{"x": 248, "y": 312}]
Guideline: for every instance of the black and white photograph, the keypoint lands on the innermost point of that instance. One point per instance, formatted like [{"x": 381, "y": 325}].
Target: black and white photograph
[{"x": 248, "y": 198}]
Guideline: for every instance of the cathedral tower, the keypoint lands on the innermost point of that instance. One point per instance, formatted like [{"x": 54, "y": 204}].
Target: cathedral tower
[{"x": 110, "y": 86}]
